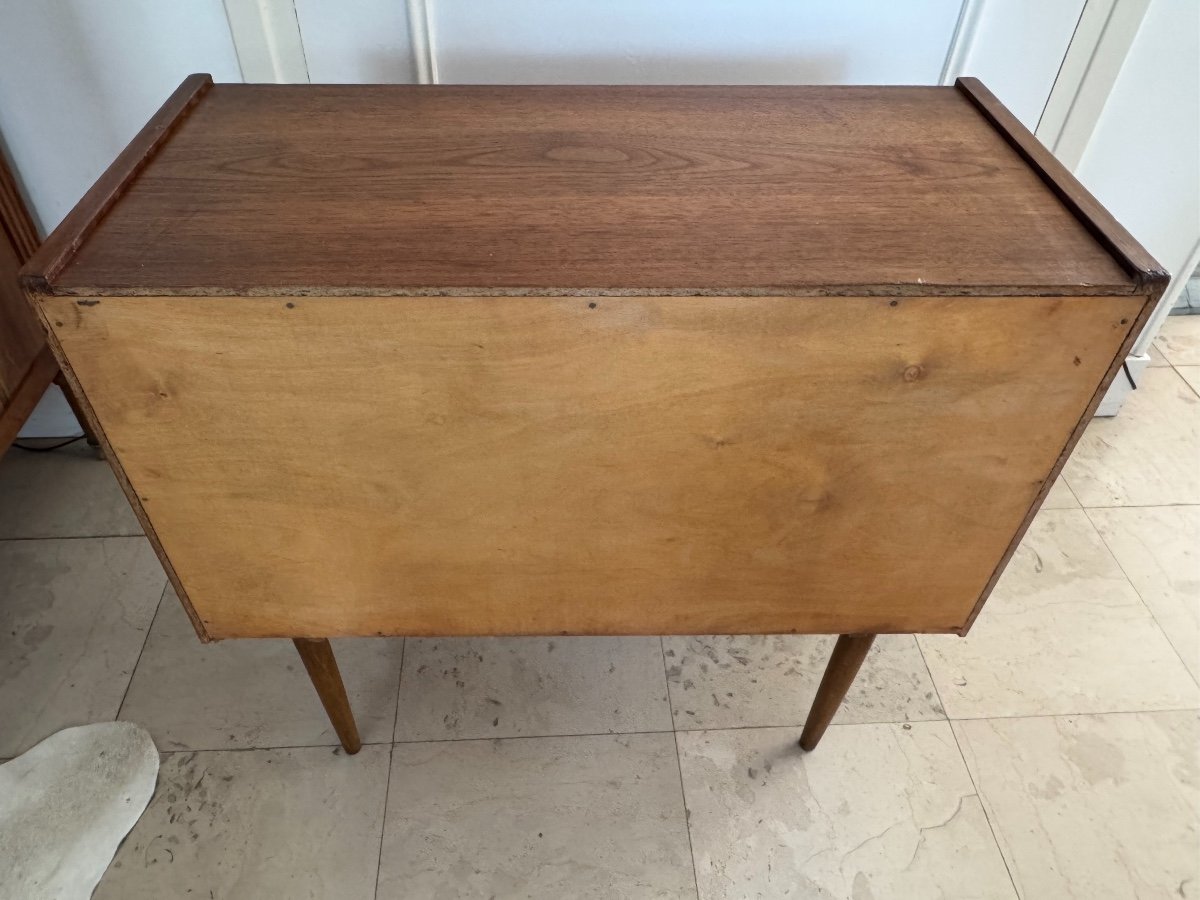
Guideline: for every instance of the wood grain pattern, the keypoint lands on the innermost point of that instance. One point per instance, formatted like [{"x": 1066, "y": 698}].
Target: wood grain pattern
[
  {"x": 451, "y": 190},
  {"x": 1148, "y": 275},
  {"x": 59, "y": 249},
  {"x": 330, "y": 466},
  {"x": 21, "y": 337},
  {"x": 15, "y": 221},
  {"x": 1136, "y": 324},
  {"x": 23, "y": 355},
  {"x": 94, "y": 428}
]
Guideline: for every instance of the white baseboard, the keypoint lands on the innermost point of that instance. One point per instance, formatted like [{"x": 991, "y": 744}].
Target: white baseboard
[{"x": 1126, "y": 381}]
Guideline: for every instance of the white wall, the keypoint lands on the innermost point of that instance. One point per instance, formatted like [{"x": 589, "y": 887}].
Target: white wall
[
  {"x": 631, "y": 41},
  {"x": 78, "y": 78},
  {"x": 710, "y": 41},
  {"x": 1016, "y": 49},
  {"x": 1143, "y": 159},
  {"x": 358, "y": 42}
]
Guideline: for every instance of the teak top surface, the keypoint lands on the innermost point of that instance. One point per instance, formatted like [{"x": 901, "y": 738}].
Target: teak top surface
[{"x": 273, "y": 189}]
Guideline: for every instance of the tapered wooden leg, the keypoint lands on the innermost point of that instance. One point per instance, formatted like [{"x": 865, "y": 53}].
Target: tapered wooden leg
[
  {"x": 90, "y": 435},
  {"x": 848, "y": 655},
  {"x": 322, "y": 668}
]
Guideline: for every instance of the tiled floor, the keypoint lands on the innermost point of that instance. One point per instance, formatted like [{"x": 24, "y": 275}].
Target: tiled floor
[
  {"x": 1051, "y": 754},
  {"x": 1188, "y": 301}
]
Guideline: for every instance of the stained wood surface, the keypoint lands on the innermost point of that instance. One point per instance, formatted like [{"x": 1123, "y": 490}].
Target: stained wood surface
[
  {"x": 21, "y": 337},
  {"x": 1111, "y": 234},
  {"x": 263, "y": 189},
  {"x": 330, "y": 466},
  {"x": 59, "y": 249},
  {"x": 26, "y": 365},
  {"x": 24, "y": 395}
]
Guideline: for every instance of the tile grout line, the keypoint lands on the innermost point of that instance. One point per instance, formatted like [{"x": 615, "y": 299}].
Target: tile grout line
[
  {"x": 69, "y": 537},
  {"x": 535, "y": 737},
  {"x": 1070, "y": 490},
  {"x": 399, "y": 685},
  {"x": 387, "y": 787},
  {"x": 970, "y": 775},
  {"x": 145, "y": 640},
  {"x": 687, "y": 818},
  {"x": 1195, "y": 390},
  {"x": 1136, "y": 505},
  {"x": 1068, "y": 715},
  {"x": 1145, "y": 605}
]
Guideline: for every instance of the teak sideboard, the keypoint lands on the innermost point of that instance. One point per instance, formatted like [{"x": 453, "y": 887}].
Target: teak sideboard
[{"x": 399, "y": 360}]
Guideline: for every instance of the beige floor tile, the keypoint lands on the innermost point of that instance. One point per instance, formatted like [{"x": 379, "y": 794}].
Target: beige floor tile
[
  {"x": 1100, "y": 807},
  {"x": 1158, "y": 548},
  {"x": 1179, "y": 340},
  {"x": 252, "y": 693},
  {"x": 63, "y": 493},
  {"x": 756, "y": 680},
  {"x": 875, "y": 811},
  {"x": 1060, "y": 497},
  {"x": 1190, "y": 374},
  {"x": 1157, "y": 360},
  {"x": 1146, "y": 455},
  {"x": 1064, "y": 632},
  {"x": 509, "y": 687},
  {"x": 256, "y": 824},
  {"x": 73, "y": 618},
  {"x": 581, "y": 817}
]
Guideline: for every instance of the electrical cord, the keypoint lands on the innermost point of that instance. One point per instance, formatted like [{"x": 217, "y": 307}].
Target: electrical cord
[{"x": 47, "y": 449}]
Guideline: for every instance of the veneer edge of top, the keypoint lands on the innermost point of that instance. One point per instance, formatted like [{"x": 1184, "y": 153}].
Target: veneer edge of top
[
  {"x": 56, "y": 252},
  {"x": 1149, "y": 276},
  {"x": 38, "y": 274}
]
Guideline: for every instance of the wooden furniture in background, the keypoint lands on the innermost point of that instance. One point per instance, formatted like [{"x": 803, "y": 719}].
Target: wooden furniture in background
[
  {"x": 587, "y": 360},
  {"x": 27, "y": 366}
]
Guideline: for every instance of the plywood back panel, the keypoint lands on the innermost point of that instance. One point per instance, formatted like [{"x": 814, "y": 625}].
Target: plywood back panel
[{"x": 511, "y": 465}]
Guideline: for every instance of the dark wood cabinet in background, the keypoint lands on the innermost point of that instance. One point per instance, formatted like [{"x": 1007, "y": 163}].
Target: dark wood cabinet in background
[{"x": 27, "y": 367}]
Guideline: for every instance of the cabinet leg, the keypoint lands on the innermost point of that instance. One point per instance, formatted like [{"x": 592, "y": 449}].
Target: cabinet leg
[
  {"x": 80, "y": 417},
  {"x": 322, "y": 668},
  {"x": 848, "y": 655}
]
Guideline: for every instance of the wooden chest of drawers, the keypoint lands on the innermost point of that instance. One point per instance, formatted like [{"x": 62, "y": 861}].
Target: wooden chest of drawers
[{"x": 587, "y": 360}]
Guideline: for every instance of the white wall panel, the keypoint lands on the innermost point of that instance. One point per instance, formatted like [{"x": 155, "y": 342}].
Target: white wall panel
[
  {"x": 1143, "y": 161},
  {"x": 701, "y": 41},
  {"x": 78, "y": 79},
  {"x": 1016, "y": 48},
  {"x": 366, "y": 41}
]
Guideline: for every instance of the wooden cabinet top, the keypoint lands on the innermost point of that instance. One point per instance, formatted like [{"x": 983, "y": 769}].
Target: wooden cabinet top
[{"x": 274, "y": 189}]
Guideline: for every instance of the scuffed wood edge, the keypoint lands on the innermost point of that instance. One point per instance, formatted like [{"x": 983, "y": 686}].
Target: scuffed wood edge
[
  {"x": 114, "y": 460},
  {"x": 1148, "y": 276},
  {"x": 1135, "y": 328},
  {"x": 38, "y": 274},
  {"x": 893, "y": 289}
]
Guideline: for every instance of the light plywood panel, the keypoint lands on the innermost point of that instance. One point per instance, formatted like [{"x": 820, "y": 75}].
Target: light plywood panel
[{"x": 426, "y": 465}]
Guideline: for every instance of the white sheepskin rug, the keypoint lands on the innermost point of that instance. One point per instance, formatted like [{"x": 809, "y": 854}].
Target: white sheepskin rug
[{"x": 67, "y": 804}]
